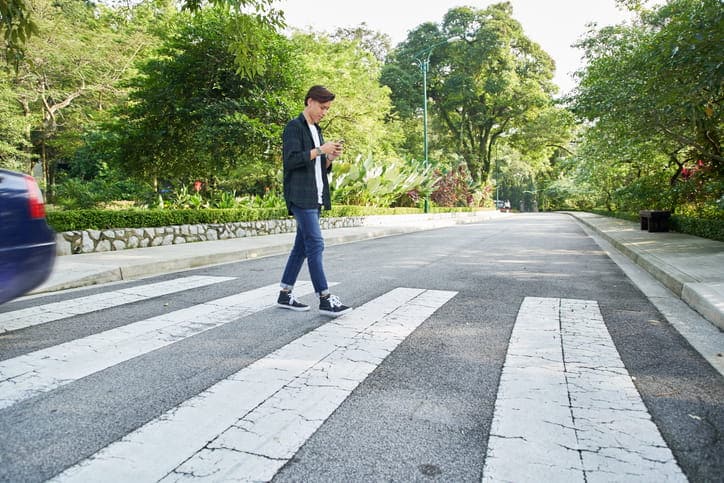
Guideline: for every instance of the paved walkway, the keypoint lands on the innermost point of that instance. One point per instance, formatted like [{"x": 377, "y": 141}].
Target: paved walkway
[{"x": 691, "y": 267}]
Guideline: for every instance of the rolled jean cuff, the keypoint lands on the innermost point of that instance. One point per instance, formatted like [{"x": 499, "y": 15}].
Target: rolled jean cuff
[{"x": 285, "y": 286}]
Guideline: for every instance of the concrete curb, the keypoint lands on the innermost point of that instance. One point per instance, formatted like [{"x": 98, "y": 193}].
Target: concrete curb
[{"x": 707, "y": 298}]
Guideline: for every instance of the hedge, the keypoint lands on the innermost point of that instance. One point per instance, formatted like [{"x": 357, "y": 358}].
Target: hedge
[
  {"x": 74, "y": 220},
  {"x": 710, "y": 227}
]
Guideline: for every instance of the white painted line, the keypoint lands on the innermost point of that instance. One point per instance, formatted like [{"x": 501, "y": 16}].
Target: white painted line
[
  {"x": 567, "y": 409},
  {"x": 42, "y": 314},
  {"x": 532, "y": 436},
  {"x": 249, "y": 425},
  {"x": 616, "y": 436},
  {"x": 47, "y": 369}
]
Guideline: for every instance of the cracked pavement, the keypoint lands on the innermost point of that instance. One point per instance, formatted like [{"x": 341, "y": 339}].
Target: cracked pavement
[{"x": 567, "y": 409}]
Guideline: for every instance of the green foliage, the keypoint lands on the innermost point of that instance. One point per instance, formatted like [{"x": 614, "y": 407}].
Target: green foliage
[
  {"x": 491, "y": 83},
  {"x": 99, "y": 219},
  {"x": 15, "y": 145},
  {"x": 709, "y": 225},
  {"x": 712, "y": 228},
  {"x": 137, "y": 218},
  {"x": 17, "y": 25},
  {"x": 370, "y": 182},
  {"x": 269, "y": 200},
  {"x": 652, "y": 91},
  {"x": 224, "y": 200},
  {"x": 362, "y": 111},
  {"x": 76, "y": 193},
  {"x": 201, "y": 198},
  {"x": 62, "y": 87},
  {"x": 191, "y": 116}
]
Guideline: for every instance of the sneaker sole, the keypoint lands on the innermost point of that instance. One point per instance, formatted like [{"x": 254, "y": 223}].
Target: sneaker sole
[
  {"x": 296, "y": 309},
  {"x": 329, "y": 313}
]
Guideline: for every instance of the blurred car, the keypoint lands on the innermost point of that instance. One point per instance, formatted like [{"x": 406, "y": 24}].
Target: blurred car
[{"x": 27, "y": 243}]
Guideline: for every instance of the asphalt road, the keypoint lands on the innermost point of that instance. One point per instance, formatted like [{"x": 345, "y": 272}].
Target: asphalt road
[{"x": 423, "y": 410}]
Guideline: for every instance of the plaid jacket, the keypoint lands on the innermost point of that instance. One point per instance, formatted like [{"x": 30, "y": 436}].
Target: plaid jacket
[{"x": 300, "y": 186}]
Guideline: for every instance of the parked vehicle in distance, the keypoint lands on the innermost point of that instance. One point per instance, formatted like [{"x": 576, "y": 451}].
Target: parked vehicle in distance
[{"x": 27, "y": 243}]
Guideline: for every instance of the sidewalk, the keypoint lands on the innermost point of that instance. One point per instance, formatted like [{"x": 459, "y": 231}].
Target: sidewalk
[{"x": 691, "y": 267}]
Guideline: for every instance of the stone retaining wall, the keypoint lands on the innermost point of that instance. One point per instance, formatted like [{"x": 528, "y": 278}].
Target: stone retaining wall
[{"x": 87, "y": 241}]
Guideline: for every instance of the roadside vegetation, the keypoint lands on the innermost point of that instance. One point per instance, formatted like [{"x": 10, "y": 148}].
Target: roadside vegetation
[{"x": 142, "y": 106}]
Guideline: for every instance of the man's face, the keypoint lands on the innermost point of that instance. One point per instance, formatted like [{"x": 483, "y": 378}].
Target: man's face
[{"x": 317, "y": 110}]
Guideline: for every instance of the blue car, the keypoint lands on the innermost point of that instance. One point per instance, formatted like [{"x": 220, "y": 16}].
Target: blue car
[{"x": 27, "y": 243}]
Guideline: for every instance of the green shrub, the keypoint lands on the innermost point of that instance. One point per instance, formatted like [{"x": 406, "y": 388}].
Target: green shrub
[
  {"x": 107, "y": 219},
  {"x": 711, "y": 226},
  {"x": 73, "y": 220},
  {"x": 76, "y": 193}
]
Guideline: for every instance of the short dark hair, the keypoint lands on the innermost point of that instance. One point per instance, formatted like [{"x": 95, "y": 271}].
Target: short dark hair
[{"x": 319, "y": 94}]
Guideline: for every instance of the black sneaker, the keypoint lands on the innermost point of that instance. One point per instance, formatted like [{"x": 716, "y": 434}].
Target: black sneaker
[
  {"x": 287, "y": 301},
  {"x": 330, "y": 305}
]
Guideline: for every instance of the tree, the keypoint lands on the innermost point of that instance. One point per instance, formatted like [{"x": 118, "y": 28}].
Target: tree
[
  {"x": 62, "y": 86},
  {"x": 17, "y": 22},
  {"x": 653, "y": 89},
  {"x": 17, "y": 25},
  {"x": 376, "y": 43},
  {"x": 192, "y": 116},
  {"x": 15, "y": 146},
  {"x": 362, "y": 111},
  {"x": 490, "y": 82}
]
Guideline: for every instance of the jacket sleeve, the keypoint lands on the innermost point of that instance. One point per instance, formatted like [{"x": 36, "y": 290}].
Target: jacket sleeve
[{"x": 295, "y": 155}]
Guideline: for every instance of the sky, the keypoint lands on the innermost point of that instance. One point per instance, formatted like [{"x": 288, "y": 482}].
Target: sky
[{"x": 554, "y": 24}]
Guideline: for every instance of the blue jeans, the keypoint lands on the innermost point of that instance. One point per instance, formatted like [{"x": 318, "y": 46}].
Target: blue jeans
[{"x": 308, "y": 244}]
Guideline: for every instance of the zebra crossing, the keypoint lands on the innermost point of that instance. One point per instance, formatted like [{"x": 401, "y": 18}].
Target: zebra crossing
[
  {"x": 566, "y": 408},
  {"x": 42, "y": 314},
  {"x": 48, "y": 369}
]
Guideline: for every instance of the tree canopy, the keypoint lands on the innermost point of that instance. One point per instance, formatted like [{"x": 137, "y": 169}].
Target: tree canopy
[
  {"x": 486, "y": 80},
  {"x": 190, "y": 104},
  {"x": 652, "y": 93}
]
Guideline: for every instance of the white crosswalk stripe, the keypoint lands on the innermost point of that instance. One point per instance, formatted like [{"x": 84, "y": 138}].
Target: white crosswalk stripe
[
  {"x": 567, "y": 409},
  {"x": 249, "y": 425},
  {"x": 41, "y": 314},
  {"x": 47, "y": 369}
]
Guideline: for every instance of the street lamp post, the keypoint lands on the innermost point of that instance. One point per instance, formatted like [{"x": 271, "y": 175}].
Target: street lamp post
[
  {"x": 423, "y": 60},
  {"x": 497, "y": 179}
]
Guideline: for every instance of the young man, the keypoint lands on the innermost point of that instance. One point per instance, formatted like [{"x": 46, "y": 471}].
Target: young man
[{"x": 307, "y": 160}]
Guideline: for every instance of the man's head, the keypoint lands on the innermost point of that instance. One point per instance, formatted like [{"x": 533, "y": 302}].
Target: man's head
[
  {"x": 317, "y": 102},
  {"x": 320, "y": 94}
]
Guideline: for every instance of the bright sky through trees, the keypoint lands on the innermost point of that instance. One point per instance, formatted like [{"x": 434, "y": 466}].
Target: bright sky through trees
[{"x": 554, "y": 24}]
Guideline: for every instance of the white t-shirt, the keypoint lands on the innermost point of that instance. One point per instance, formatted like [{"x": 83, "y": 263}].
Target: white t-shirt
[{"x": 317, "y": 163}]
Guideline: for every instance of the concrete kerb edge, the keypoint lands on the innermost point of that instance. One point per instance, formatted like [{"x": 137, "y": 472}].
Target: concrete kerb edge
[
  {"x": 131, "y": 272},
  {"x": 107, "y": 276},
  {"x": 706, "y": 301},
  {"x": 689, "y": 291},
  {"x": 668, "y": 276}
]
